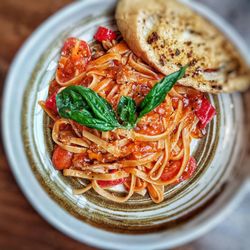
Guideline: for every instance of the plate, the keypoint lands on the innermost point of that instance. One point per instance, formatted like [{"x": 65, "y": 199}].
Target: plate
[{"x": 189, "y": 209}]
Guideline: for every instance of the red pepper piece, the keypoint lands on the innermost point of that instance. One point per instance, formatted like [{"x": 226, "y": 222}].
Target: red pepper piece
[
  {"x": 104, "y": 34},
  {"x": 51, "y": 102},
  {"x": 205, "y": 113}
]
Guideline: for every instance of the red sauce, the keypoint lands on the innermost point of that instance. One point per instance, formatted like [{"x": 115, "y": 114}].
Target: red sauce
[{"x": 74, "y": 60}]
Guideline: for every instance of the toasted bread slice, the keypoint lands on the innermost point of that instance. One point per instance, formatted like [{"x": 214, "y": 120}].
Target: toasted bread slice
[{"x": 167, "y": 34}]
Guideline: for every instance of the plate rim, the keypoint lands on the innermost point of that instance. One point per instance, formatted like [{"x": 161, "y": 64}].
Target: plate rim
[{"x": 71, "y": 8}]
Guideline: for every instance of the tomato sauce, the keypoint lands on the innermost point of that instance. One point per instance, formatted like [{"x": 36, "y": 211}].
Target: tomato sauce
[{"x": 75, "y": 57}]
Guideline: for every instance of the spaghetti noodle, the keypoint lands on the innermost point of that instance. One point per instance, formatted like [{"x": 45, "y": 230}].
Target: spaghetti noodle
[{"x": 152, "y": 155}]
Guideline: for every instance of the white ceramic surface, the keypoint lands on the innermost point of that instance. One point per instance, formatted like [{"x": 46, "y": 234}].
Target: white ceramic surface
[{"x": 20, "y": 73}]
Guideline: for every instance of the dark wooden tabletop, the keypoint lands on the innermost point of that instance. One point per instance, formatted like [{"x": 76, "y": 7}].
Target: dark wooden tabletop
[{"x": 20, "y": 225}]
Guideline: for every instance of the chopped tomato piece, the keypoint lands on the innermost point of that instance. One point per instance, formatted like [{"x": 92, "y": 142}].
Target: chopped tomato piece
[
  {"x": 104, "y": 34},
  {"x": 189, "y": 170},
  {"x": 205, "y": 112},
  {"x": 111, "y": 183},
  {"x": 75, "y": 56},
  {"x": 105, "y": 184},
  {"x": 62, "y": 159},
  {"x": 150, "y": 124},
  {"x": 171, "y": 171},
  {"x": 51, "y": 102}
]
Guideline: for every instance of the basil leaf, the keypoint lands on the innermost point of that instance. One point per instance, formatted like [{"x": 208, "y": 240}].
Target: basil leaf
[
  {"x": 96, "y": 104},
  {"x": 86, "y": 107},
  {"x": 126, "y": 111},
  {"x": 158, "y": 93},
  {"x": 99, "y": 106},
  {"x": 70, "y": 101},
  {"x": 91, "y": 122}
]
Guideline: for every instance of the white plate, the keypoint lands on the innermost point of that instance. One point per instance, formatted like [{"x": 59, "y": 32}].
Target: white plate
[{"x": 22, "y": 72}]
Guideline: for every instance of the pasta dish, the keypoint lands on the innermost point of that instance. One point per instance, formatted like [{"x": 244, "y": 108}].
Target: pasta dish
[{"x": 117, "y": 121}]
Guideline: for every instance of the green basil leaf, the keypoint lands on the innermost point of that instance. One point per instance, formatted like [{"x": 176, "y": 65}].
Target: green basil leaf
[
  {"x": 91, "y": 122},
  {"x": 158, "y": 93},
  {"x": 98, "y": 105},
  {"x": 86, "y": 107},
  {"x": 126, "y": 111},
  {"x": 68, "y": 101}
]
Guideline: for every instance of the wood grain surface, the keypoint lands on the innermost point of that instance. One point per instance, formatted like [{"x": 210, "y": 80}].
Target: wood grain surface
[{"x": 20, "y": 225}]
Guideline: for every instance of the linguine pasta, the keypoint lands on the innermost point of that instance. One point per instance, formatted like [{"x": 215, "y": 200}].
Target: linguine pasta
[{"x": 145, "y": 159}]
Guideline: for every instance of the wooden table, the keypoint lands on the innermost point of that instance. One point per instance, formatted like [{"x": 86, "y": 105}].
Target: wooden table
[{"x": 20, "y": 225}]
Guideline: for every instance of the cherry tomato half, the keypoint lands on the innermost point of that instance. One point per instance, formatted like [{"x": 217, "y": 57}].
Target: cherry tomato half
[
  {"x": 62, "y": 159},
  {"x": 75, "y": 56}
]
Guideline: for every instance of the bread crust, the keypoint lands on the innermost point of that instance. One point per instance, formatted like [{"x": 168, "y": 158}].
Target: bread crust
[{"x": 167, "y": 34}]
